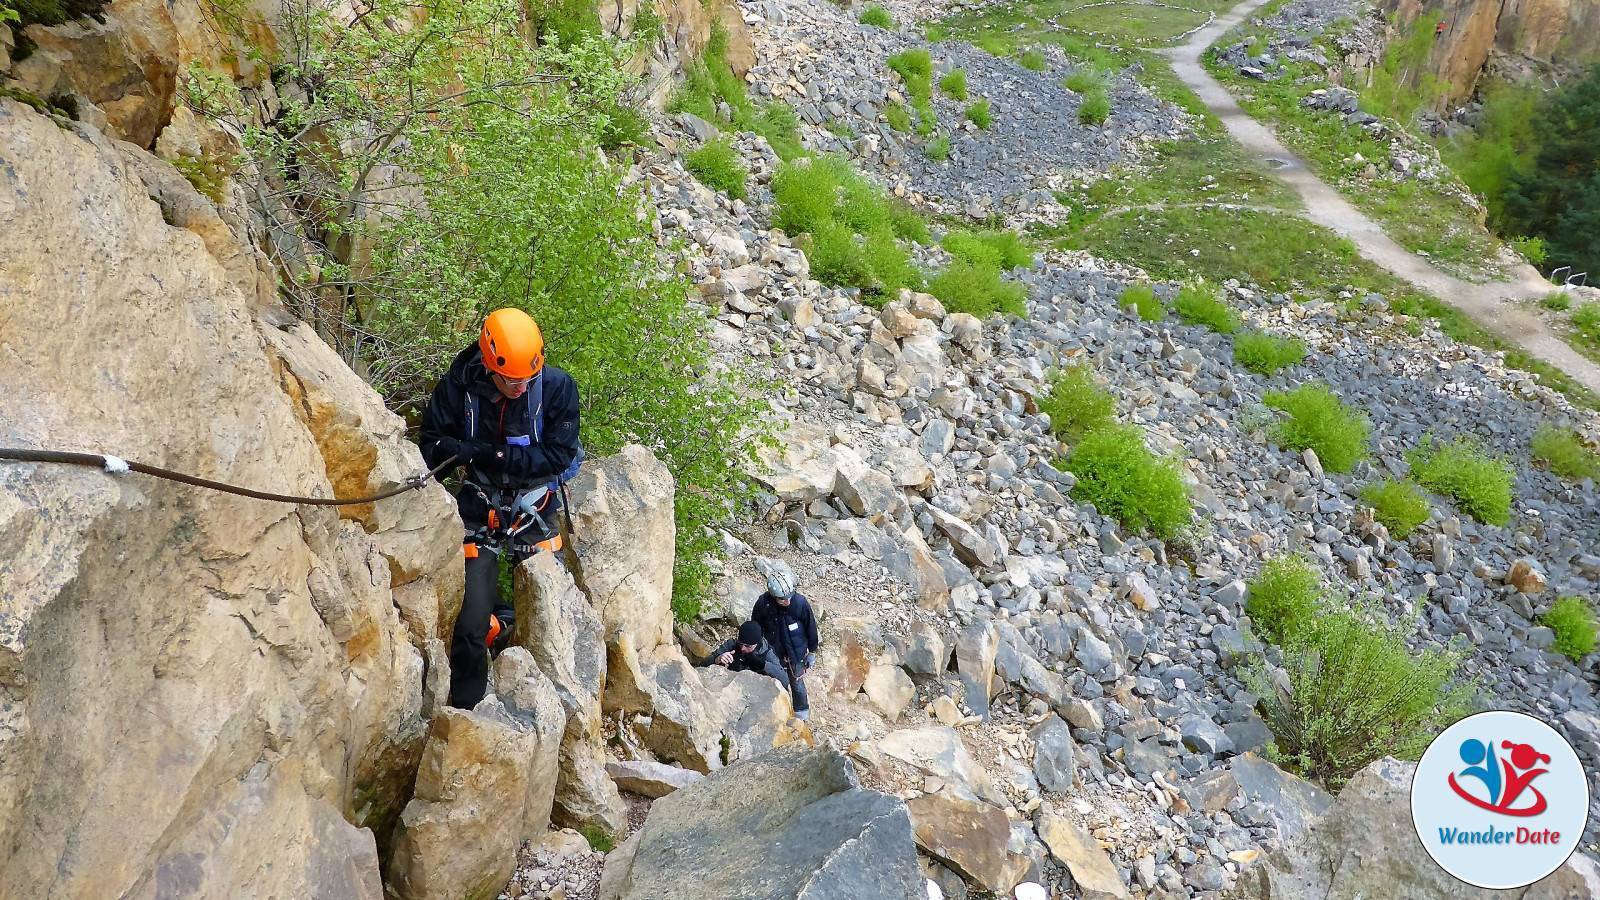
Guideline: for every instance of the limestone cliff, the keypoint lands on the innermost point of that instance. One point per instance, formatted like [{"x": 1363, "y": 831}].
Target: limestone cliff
[{"x": 1511, "y": 35}]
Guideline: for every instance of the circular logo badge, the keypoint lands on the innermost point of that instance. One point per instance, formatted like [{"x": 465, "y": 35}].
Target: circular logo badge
[{"x": 1500, "y": 800}]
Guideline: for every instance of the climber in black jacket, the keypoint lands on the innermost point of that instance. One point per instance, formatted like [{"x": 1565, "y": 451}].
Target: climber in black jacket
[
  {"x": 512, "y": 421},
  {"x": 785, "y": 618},
  {"x": 749, "y": 652}
]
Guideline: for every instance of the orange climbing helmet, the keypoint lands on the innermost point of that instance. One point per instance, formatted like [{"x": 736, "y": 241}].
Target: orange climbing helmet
[{"x": 511, "y": 344}]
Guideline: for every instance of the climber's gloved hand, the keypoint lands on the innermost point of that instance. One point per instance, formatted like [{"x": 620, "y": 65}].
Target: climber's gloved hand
[
  {"x": 811, "y": 659},
  {"x": 449, "y": 446},
  {"x": 478, "y": 453}
]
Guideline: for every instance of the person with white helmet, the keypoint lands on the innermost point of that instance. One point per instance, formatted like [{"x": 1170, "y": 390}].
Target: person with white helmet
[{"x": 791, "y": 629}]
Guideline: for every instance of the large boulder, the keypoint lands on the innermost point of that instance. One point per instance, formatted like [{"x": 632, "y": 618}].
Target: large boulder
[
  {"x": 212, "y": 627},
  {"x": 1290, "y": 802},
  {"x": 756, "y": 713},
  {"x": 968, "y": 835},
  {"x": 1090, "y": 865},
  {"x": 648, "y": 778},
  {"x": 560, "y": 629},
  {"x": 792, "y": 823},
  {"x": 938, "y": 751},
  {"x": 685, "y": 717}
]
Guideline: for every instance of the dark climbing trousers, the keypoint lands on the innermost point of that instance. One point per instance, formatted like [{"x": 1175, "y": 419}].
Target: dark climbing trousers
[{"x": 469, "y": 657}]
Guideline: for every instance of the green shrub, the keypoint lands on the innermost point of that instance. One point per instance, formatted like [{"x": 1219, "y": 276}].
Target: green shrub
[
  {"x": 898, "y": 116},
  {"x": 1032, "y": 60},
  {"x": 979, "y": 114},
  {"x": 1004, "y": 250},
  {"x": 934, "y": 32},
  {"x": 992, "y": 44},
  {"x": 907, "y": 223},
  {"x": 926, "y": 120},
  {"x": 1283, "y": 598},
  {"x": 1142, "y": 298},
  {"x": 915, "y": 68},
  {"x": 1199, "y": 303},
  {"x": 1125, "y": 481},
  {"x": 717, "y": 166},
  {"x": 600, "y": 840},
  {"x": 938, "y": 149},
  {"x": 978, "y": 291},
  {"x": 1356, "y": 693},
  {"x": 854, "y": 226},
  {"x": 1586, "y": 321},
  {"x": 1463, "y": 470},
  {"x": 624, "y": 126},
  {"x": 1095, "y": 108},
  {"x": 1083, "y": 81},
  {"x": 1264, "y": 353},
  {"x": 1398, "y": 505},
  {"x": 1565, "y": 453},
  {"x": 876, "y": 16},
  {"x": 1531, "y": 248},
  {"x": 1318, "y": 420},
  {"x": 710, "y": 80},
  {"x": 1556, "y": 300},
  {"x": 208, "y": 175},
  {"x": 836, "y": 256},
  {"x": 954, "y": 84},
  {"x": 891, "y": 266},
  {"x": 1573, "y": 622},
  {"x": 1077, "y": 404}
]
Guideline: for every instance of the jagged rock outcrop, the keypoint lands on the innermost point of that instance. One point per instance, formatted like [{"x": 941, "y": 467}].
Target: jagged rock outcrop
[
  {"x": 1563, "y": 33},
  {"x": 198, "y": 692},
  {"x": 791, "y": 823}
]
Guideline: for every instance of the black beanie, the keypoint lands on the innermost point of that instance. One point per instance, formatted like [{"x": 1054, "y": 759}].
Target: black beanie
[{"x": 749, "y": 633}]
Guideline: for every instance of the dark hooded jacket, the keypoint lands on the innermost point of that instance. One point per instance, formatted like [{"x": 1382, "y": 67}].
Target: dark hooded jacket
[
  {"x": 762, "y": 661},
  {"x": 535, "y": 435},
  {"x": 791, "y": 630}
]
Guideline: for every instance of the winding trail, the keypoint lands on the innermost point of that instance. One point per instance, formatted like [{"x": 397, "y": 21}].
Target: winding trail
[{"x": 1491, "y": 304}]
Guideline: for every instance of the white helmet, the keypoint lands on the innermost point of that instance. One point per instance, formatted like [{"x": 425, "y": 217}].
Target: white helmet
[{"x": 780, "y": 581}]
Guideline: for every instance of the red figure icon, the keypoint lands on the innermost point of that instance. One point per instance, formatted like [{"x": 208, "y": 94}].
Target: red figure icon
[{"x": 1523, "y": 756}]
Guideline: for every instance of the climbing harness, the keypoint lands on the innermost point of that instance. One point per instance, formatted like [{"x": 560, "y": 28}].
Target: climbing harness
[
  {"x": 515, "y": 522},
  {"x": 115, "y": 465}
]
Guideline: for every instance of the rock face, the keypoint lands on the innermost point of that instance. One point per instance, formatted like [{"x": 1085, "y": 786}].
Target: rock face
[
  {"x": 792, "y": 823},
  {"x": 969, "y": 836},
  {"x": 650, "y": 779},
  {"x": 214, "y": 625},
  {"x": 1561, "y": 32}
]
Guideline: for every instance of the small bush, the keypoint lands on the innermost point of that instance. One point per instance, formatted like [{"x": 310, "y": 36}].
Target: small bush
[
  {"x": 1586, "y": 320},
  {"x": 1082, "y": 81},
  {"x": 898, "y": 116},
  {"x": 1142, "y": 298},
  {"x": 1398, "y": 505},
  {"x": 1463, "y": 470},
  {"x": 938, "y": 149},
  {"x": 915, "y": 68},
  {"x": 717, "y": 166},
  {"x": 1199, "y": 303},
  {"x": 979, "y": 114},
  {"x": 954, "y": 84},
  {"x": 978, "y": 291},
  {"x": 876, "y": 16},
  {"x": 1264, "y": 353},
  {"x": 907, "y": 223},
  {"x": 836, "y": 257},
  {"x": 1032, "y": 60},
  {"x": 1004, "y": 250},
  {"x": 1356, "y": 693},
  {"x": 624, "y": 126},
  {"x": 891, "y": 266},
  {"x": 1095, "y": 108},
  {"x": 1077, "y": 404},
  {"x": 926, "y": 120},
  {"x": 1574, "y": 624},
  {"x": 1565, "y": 453},
  {"x": 1284, "y": 597},
  {"x": 1317, "y": 419},
  {"x": 1531, "y": 248},
  {"x": 1559, "y": 301},
  {"x": 1124, "y": 480},
  {"x": 208, "y": 176},
  {"x": 600, "y": 840}
]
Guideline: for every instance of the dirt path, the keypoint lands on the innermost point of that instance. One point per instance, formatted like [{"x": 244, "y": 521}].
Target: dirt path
[{"x": 1490, "y": 304}]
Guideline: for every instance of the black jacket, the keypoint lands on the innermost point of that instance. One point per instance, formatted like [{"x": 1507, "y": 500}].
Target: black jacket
[
  {"x": 762, "y": 661},
  {"x": 467, "y": 405},
  {"x": 791, "y": 630}
]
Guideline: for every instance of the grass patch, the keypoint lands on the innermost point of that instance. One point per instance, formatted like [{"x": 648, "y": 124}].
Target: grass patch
[
  {"x": 898, "y": 115},
  {"x": 1283, "y": 597},
  {"x": 915, "y": 68},
  {"x": 1084, "y": 81},
  {"x": 1077, "y": 404},
  {"x": 954, "y": 84},
  {"x": 599, "y": 839},
  {"x": 1198, "y": 303},
  {"x": 876, "y": 16},
  {"x": 1095, "y": 108},
  {"x": 1125, "y": 481},
  {"x": 1398, "y": 505},
  {"x": 1264, "y": 354},
  {"x": 938, "y": 149},
  {"x": 1142, "y": 299},
  {"x": 1134, "y": 24},
  {"x": 1574, "y": 624},
  {"x": 1005, "y": 250},
  {"x": 717, "y": 166},
  {"x": 1478, "y": 481},
  {"x": 854, "y": 228},
  {"x": 1586, "y": 322},
  {"x": 1316, "y": 419},
  {"x": 1032, "y": 60},
  {"x": 710, "y": 80},
  {"x": 1565, "y": 453},
  {"x": 1558, "y": 301},
  {"x": 978, "y": 291},
  {"x": 979, "y": 114}
]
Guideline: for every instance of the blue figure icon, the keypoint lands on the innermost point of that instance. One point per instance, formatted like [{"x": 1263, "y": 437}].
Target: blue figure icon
[{"x": 1474, "y": 752}]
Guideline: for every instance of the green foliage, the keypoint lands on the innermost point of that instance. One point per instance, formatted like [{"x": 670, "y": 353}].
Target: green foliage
[
  {"x": 1124, "y": 480},
  {"x": 1001, "y": 249},
  {"x": 1463, "y": 470},
  {"x": 854, "y": 226},
  {"x": 1356, "y": 693},
  {"x": 1586, "y": 322},
  {"x": 717, "y": 166},
  {"x": 209, "y": 176},
  {"x": 934, "y": 32},
  {"x": 1032, "y": 60},
  {"x": 7, "y": 14},
  {"x": 979, "y": 114},
  {"x": 1085, "y": 81},
  {"x": 1401, "y": 85},
  {"x": 993, "y": 45},
  {"x": 1077, "y": 404},
  {"x": 1095, "y": 108},
  {"x": 1284, "y": 597},
  {"x": 1198, "y": 303},
  {"x": 954, "y": 84},
  {"x": 1531, "y": 248},
  {"x": 938, "y": 149},
  {"x": 1565, "y": 453},
  {"x": 1557, "y": 197},
  {"x": 1503, "y": 144},
  {"x": 876, "y": 16},
  {"x": 898, "y": 116},
  {"x": 51, "y": 12},
  {"x": 624, "y": 126},
  {"x": 1265, "y": 353},
  {"x": 1142, "y": 299},
  {"x": 600, "y": 840},
  {"x": 711, "y": 80},
  {"x": 1573, "y": 622},
  {"x": 926, "y": 120},
  {"x": 1398, "y": 505},
  {"x": 1318, "y": 420},
  {"x": 907, "y": 223},
  {"x": 1558, "y": 301},
  {"x": 978, "y": 290},
  {"x": 915, "y": 67}
]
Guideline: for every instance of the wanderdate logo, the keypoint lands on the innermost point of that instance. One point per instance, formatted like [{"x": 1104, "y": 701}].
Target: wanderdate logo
[{"x": 1500, "y": 800}]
